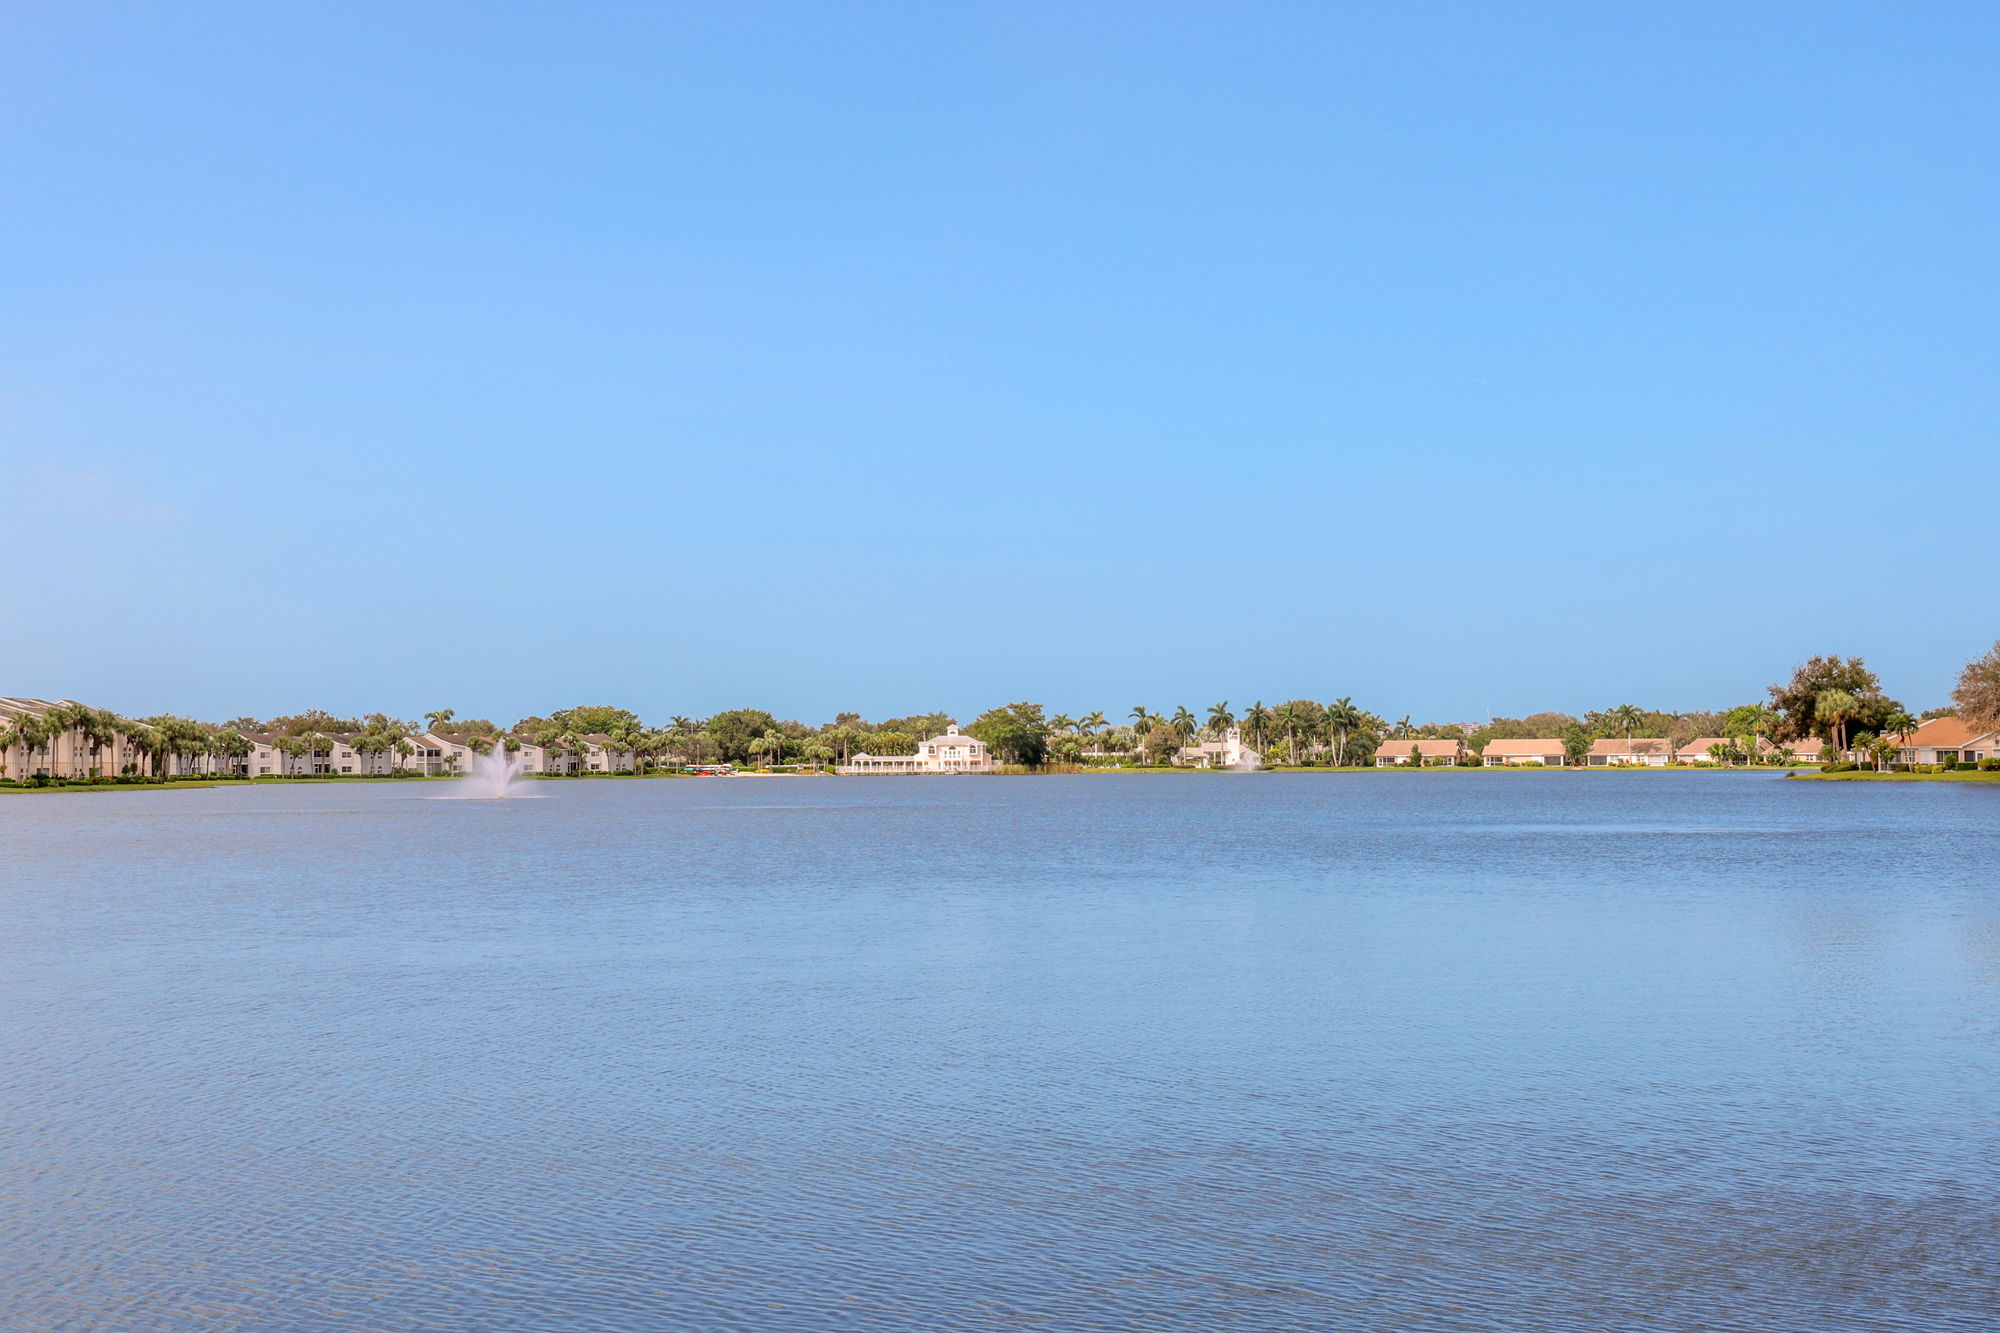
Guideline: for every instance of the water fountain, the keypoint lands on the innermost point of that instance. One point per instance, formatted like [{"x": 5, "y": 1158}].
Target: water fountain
[{"x": 495, "y": 776}]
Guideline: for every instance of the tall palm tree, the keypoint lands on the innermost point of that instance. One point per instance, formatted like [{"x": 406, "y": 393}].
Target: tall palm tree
[
  {"x": 1142, "y": 721},
  {"x": 1342, "y": 718},
  {"x": 1896, "y": 729},
  {"x": 32, "y": 734},
  {"x": 1288, "y": 718},
  {"x": 1090, "y": 724},
  {"x": 1185, "y": 723},
  {"x": 1257, "y": 718},
  {"x": 436, "y": 719},
  {"x": 1061, "y": 722},
  {"x": 1403, "y": 729},
  {"x": 1628, "y": 718},
  {"x": 1220, "y": 719},
  {"x": 1836, "y": 708}
]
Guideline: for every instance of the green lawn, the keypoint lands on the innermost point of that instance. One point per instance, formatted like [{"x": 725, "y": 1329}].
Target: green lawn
[{"x": 1898, "y": 777}]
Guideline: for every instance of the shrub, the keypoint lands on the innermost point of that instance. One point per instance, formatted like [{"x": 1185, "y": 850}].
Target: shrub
[
  {"x": 1964, "y": 767},
  {"x": 1989, "y": 765},
  {"x": 1842, "y": 767}
]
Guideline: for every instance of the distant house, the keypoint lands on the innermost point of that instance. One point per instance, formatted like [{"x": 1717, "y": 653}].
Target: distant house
[
  {"x": 1696, "y": 751},
  {"x": 1613, "y": 750},
  {"x": 1946, "y": 740},
  {"x": 1229, "y": 752},
  {"x": 953, "y": 752},
  {"x": 1544, "y": 750},
  {"x": 1804, "y": 750},
  {"x": 1435, "y": 753}
]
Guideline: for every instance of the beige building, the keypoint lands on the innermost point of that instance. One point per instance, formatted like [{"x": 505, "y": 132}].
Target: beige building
[
  {"x": 1806, "y": 750},
  {"x": 71, "y": 753},
  {"x": 1946, "y": 740},
  {"x": 953, "y": 752},
  {"x": 1543, "y": 750},
  {"x": 1615, "y": 750},
  {"x": 1697, "y": 750},
  {"x": 1435, "y": 753}
]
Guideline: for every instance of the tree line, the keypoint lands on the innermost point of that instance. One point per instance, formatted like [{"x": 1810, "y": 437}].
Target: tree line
[{"x": 1835, "y": 699}]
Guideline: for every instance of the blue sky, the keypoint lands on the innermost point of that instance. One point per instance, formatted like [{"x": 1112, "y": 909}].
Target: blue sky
[{"x": 886, "y": 357}]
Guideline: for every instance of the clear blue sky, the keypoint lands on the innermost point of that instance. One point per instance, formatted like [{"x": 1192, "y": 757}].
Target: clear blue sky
[{"x": 1459, "y": 358}]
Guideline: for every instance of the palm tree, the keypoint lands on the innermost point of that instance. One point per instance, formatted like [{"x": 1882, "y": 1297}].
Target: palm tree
[
  {"x": 1342, "y": 717},
  {"x": 1184, "y": 723},
  {"x": 31, "y": 733},
  {"x": 1061, "y": 722},
  {"x": 1258, "y": 718},
  {"x": 437, "y": 719},
  {"x": 1897, "y": 727},
  {"x": 1403, "y": 729},
  {"x": 1628, "y": 718},
  {"x": 1090, "y": 724},
  {"x": 1836, "y": 708},
  {"x": 1220, "y": 719},
  {"x": 1288, "y": 718},
  {"x": 1142, "y": 721}
]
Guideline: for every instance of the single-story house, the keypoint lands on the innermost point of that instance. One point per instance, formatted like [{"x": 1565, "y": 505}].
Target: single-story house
[
  {"x": 1545, "y": 750},
  {"x": 1946, "y": 740},
  {"x": 1697, "y": 750},
  {"x": 1436, "y": 753},
  {"x": 1806, "y": 749},
  {"x": 1617, "y": 750}
]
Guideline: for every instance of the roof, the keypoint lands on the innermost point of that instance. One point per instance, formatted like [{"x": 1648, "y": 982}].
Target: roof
[
  {"x": 1428, "y": 748},
  {"x": 1948, "y": 732},
  {"x": 953, "y": 738},
  {"x": 1699, "y": 745},
  {"x": 1537, "y": 746},
  {"x": 1803, "y": 745},
  {"x": 599, "y": 738},
  {"x": 1638, "y": 745}
]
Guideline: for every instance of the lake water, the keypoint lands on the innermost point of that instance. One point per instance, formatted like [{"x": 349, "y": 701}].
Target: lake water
[{"x": 1534, "y": 1051}]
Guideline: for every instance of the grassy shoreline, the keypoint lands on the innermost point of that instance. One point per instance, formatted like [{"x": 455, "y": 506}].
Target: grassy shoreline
[{"x": 1863, "y": 776}]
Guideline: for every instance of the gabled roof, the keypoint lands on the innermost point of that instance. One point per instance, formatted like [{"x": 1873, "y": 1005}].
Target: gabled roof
[
  {"x": 1642, "y": 745},
  {"x": 1428, "y": 748},
  {"x": 1699, "y": 745},
  {"x": 1537, "y": 746},
  {"x": 1947, "y": 732}
]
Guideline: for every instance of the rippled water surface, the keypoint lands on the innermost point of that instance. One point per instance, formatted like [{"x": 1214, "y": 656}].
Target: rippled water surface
[{"x": 1399, "y": 1051}]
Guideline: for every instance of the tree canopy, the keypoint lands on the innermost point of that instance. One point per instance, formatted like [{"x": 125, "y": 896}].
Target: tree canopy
[
  {"x": 1830, "y": 697},
  {"x": 1017, "y": 733},
  {"x": 1976, "y": 697}
]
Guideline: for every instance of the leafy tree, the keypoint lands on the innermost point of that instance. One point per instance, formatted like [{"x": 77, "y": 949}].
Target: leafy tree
[
  {"x": 1845, "y": 685},
  {"x": 313, "y": 719},
  {"x": 1977, "y": 694},
  {"x": 1162, "y": 742},
  {"x": 733, "y": 731},
  {"x": 921, "y": 724},
  {"x": 1016, "y": 734},
  {"x": 597, "y": 719}
]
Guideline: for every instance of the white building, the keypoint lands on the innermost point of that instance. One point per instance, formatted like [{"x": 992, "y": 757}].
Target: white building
[
  {"x": 1229, "y": 752},
  {"x": 953, "y": 752}
]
